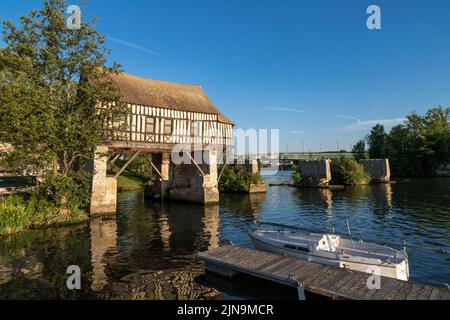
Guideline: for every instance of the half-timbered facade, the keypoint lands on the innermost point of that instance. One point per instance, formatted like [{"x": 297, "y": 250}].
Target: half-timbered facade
[
  {"x": 167, "y": 113},
  {"x": 161, "y": 116}
]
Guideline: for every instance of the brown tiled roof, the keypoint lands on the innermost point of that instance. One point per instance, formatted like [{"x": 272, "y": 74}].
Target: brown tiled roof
[{"x": 163, "y": 94}]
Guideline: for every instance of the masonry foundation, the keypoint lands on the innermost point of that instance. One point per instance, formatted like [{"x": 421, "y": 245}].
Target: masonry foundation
[{"x": 103, "y": 188}]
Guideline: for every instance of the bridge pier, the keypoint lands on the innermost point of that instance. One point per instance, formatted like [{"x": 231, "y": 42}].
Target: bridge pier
[
  {"x": 378, "y": 169},
  {"x": 196, "y": 181},
  {"x": 314, "y": 173},
  {"x": 103, "y": 188},
  {"x": 161, "y": 161},
  {"x": 193, "y": 182}
]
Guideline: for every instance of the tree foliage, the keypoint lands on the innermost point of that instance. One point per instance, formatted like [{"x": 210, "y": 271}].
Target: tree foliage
[
  {"x": 236, "y": 178},
  {"x": 359, "y": 150},
  {"x": 416, "y": 148},
  {"x": 51, "y": 79},
  {"x": 377, "y": 142},
  {"x": 348, "y": 172}
]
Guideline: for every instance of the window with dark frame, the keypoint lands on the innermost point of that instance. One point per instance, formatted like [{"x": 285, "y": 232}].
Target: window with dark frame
[
  {"x": 150, "y": 125},
  {"x": 195, "y": 129},
  {"x": 167, "y": 126}
]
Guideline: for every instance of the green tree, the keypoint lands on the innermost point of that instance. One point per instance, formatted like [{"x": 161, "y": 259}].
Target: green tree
[
  {"x": 359, "y": 150},
  {"x": 416, "y": 148},
  {"x": 348, "y": 172},
  {"x": 236, "y": 178},
  {"x": 377, "y": 142},
  {"x": 51, "y": 79}
]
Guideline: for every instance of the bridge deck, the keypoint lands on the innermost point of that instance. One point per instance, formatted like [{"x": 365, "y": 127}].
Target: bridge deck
[{"x": 332, "y": 282}]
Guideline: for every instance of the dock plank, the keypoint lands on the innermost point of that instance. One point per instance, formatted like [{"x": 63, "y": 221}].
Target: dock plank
[
  {"x": 386, "y": 285},
  {"x": 414, "y": 291},
  {"x": 436, "y": 294},
  {"x": 332, "y": 282},
  {"x": 425, "y": 293}
]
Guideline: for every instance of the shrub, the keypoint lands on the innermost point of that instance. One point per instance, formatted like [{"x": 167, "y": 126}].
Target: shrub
[
  {"x": 53, "y": 203},
  {"x": 348, "y": 172},
  {"x": 236, "y": 178},
  {"x": 296, "y": 174},
  {"x": 14, "y": 215},
  {"x": 61, "y": 192}
]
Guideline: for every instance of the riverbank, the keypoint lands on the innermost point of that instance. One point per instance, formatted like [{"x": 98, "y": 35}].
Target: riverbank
[
  {"x": 129, "y": 181},
  {"x": 21, "y": 212}
]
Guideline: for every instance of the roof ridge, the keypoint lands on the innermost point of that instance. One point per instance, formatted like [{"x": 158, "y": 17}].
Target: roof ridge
[{"x": 165, "y": 94}]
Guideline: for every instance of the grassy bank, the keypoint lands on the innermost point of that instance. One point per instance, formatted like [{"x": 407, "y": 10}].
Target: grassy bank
[
  {"x": 131, "y": 181},
  {"x": 19, "y": 213},
  {"x": 22, "y": 212}
]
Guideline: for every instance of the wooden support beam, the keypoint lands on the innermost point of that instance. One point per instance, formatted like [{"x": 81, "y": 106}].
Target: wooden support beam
[
  {"x": 127, "y": 164},
  {"x": 114, "y": 160},
  {"x": 223, "y": 167},
  {"x": 153, "y": 166},
  {"x": 195, "y": 163}
]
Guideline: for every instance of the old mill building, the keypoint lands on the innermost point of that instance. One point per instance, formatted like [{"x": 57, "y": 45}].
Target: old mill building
[{"x": 163, "y": 116}]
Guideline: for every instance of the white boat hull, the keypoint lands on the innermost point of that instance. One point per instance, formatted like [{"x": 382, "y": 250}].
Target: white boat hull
[{"x": 386, "y": 269}]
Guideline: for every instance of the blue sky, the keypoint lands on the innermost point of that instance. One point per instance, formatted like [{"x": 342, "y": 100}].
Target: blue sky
[{"x": 309, "y": 68}]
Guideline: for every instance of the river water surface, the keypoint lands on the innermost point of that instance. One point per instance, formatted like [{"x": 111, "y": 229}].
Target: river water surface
[{"x": 145, "y": 251}]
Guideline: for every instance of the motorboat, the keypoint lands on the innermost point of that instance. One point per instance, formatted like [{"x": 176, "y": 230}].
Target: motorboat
[{"x": 334, "y": 250}]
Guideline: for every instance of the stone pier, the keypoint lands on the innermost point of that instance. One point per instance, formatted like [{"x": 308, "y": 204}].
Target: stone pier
[
  {"x": 314, "y": 172},
  {"x": 103, "y": 188},
  {"x": 195, "y": 181},
  {"x": 162, "y": 163},
  {"x": 253, "y": 168},
  {"x": 377, "y": 169}
]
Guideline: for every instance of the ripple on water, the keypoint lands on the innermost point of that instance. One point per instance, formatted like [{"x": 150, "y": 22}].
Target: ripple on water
[{"x": 145, "y": 250}]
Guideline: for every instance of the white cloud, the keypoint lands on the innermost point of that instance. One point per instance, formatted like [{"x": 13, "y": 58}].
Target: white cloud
[
  {"x": 133, "y": 45},
  {"x": 282, "y": 109},
  {"x": 359, "y": 125},
  {"x": 297, "y": 132}
]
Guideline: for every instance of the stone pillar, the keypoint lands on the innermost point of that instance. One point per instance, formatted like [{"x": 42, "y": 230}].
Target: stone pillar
[
  {"x": 377, "y": 169},
  {"x": 103, "y": 188},
  {"x": 165, "y": 166},
  {"x": 252, "y": 166},
  {"x": 314, "y": 172},
  {"x": 163, "y": 163},
  {"x": 189, "y": 184},
  {"x": 210, "y": 184}
]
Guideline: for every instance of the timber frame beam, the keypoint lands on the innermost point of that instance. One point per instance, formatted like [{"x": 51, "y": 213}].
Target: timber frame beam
[
  {"x": 117, "y": 156},
  {"x": 195, "y": 163},
  {"x": 153, "y": 165},
  {"x": 223, "y": 167},
  {"x": 127, "y": 164}
]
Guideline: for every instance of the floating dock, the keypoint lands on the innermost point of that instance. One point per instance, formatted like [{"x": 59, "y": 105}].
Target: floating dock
[{"x": 326, "y": 281}]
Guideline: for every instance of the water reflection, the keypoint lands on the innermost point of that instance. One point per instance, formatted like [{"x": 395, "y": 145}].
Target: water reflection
[
  {"x": 245, "y": 205},
  {"x": 158, "y": 263},
  {"x": 316, "y": 197},
  {"x": 103, "y": 239},
  {"x": 146, "y": 250}
]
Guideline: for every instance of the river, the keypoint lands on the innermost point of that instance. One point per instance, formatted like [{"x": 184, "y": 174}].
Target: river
[{"x": 145, "y": 251}]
